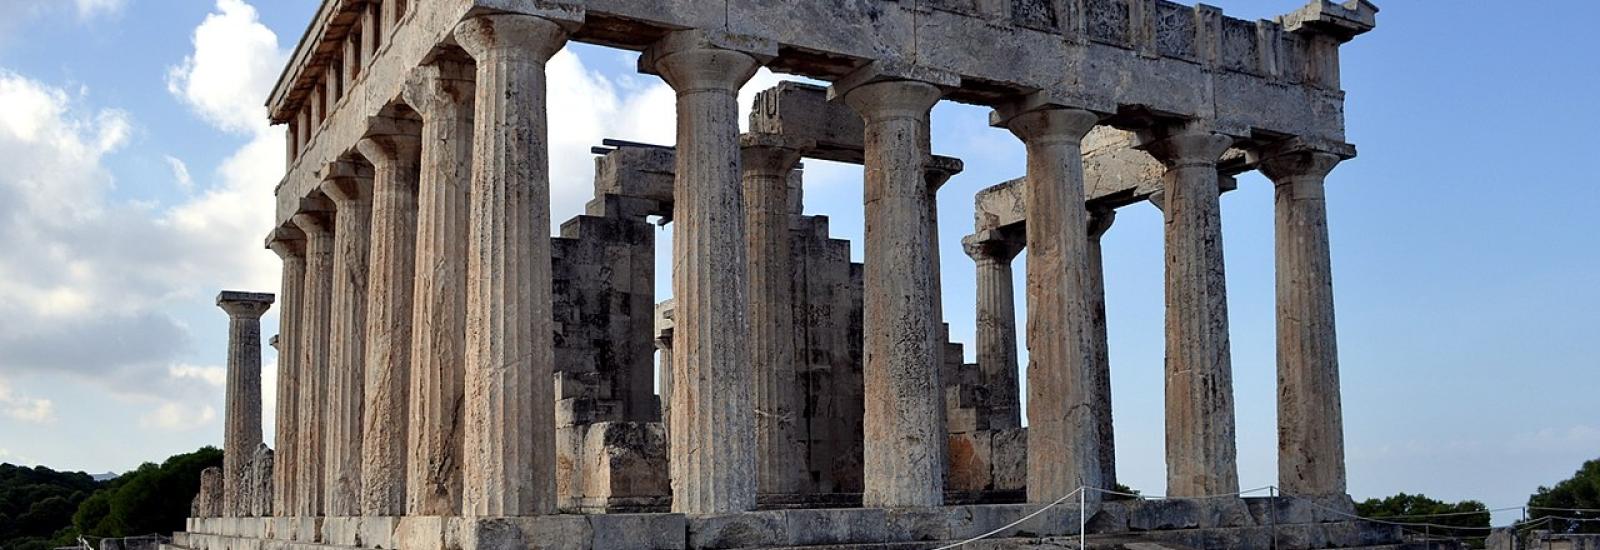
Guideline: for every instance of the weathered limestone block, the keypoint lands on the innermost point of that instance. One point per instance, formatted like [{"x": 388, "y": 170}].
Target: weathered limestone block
[
  {"x": 394, "y": 150},
  {"x": 509, "y": 469},
  {"x": 286, "y": 433},
  {"x": 971, "y": 462},
  {"x": 442, "y": 94},
  {"x": 208, "y": 502},
  {"x": 259, "y": 488},
  {"x": 350, "y": 187},
  {"x": 624, "y": 468},
  {"x": 713, "y": 439},
  {"x": 904, "y": 446},
  {"x": 1199, "y": 382},
  {"x": 242, "y": 416}
]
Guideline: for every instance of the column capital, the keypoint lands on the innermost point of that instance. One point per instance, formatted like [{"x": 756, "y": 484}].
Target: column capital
[
  {"x": 1100, "y": 220},
  {"x": 992, "y": 245},
  {"x": 387, "y": 150},
  {"x": 1185, "y": 145},
  {"x": 698, "y": 59},
  {"x": 441, "y": 83},
  {"x": 288, "y": 242},
  {"x": 891, "y": 70},
  {"x": 512, "y": 35},
  {"x": 940, "y": 169},
  {"x": 345, "y": 182},
  {"x": 244, "y": 304},
  {"x": 1290, "y": 166},
  {"x": 770, "y": 154},
  {"x": 1053, "y": 125},
  {"x": 889, "y": 99},
  {"x": 314, "y": 224}
]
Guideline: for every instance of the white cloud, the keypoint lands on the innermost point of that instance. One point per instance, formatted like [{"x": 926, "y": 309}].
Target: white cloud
[
  {"x": 234, "y": 65},
  {"x": 178, "y": 417},
  {"x": 26, "y": 409},
  {"x": 180, "y": 173},
  {"x": 215, "y": 376},
  {"x": 91, "y": 8}
]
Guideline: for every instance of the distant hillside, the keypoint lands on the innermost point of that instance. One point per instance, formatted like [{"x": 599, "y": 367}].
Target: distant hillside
[{"x": 108, "y": 476}]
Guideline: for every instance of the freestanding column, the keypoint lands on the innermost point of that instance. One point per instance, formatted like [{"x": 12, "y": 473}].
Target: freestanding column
[
  {"x": 315, "y": 326},
  {"x": 997, "y": 323},
  {"x": 1310, "y": 419},
  {"x": 1063, "y": 445},
  {"x": 904, "y": 429},
  {"x": 442, "y": 93},
  {"x": 1200, "y": 425},
  {"x": 242, "y": 408},
  {"x": 780, "y": 459},
  {"x": 1099, "y": 222},
  {"x": 713, "y": 435},
  {"x": 509, "y": 445},
  {"x": 352, "y": 200},
  {"x": 394, "y": 157},
  {"x": 287, "y": 434}
]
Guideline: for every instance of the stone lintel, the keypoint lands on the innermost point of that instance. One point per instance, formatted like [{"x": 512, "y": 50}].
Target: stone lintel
[
  {"x": 887, "y": 70},
  {"x": 1344, "y": 21},
  {"x": 569, "y": 15}
]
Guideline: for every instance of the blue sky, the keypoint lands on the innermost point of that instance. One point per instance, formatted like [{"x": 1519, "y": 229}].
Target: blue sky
[{"x": 138, "y": 172}]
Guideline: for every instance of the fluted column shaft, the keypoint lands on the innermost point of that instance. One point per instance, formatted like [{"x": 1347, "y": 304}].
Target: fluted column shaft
[
  {"x": 1310, "y": 417},
  {"x": 442, "y": 93},
  {"x": 713, "y": 436},
  {"x": 315, "y": 328},
  {"x": 509, "y": 445},
  {"x": 904, "y": 424},
  {"x": 1063, "y": 446},
  {"x": 997, "y": 325},
  {"x": 1099, "y": 222},
  {"x": 1200, "y": 424},
  {"x": 242, "y": 405},
  {"x": 352, "y": 200},
  {"x": 394, "y": 159},
  {"x": 780, "y": 460},
  {"x": 286, "y": 433}
]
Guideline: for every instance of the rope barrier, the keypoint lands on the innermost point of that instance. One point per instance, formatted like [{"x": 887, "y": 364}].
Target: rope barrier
[{"x": 1036, "y": 513}]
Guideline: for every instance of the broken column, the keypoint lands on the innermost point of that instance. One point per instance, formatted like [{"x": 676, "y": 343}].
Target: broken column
[
  {"x": 1310, "y": 419},
  {"x": 392, "y": 146},
  {"x": 1199, "y": 386},
  {"x": 780, "y": 462},
  {"x": 291, "y": 251},
  {"x": 993, "y": 250},
  {"x": 312, "y": 383},
  {"x": 242, "y": 403},
  {"x": 904, "y": 423},
  {"x": 1063, "y": 445},
  {"x": 350, "y": 187},
  {"x": 509, "y": 445},
  {"x": 713, "y": 436},
  {"x": 442, "y": 93}
]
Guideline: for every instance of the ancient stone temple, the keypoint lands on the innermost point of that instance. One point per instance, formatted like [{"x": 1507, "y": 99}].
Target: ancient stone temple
[{"x": 452, "y": 376}]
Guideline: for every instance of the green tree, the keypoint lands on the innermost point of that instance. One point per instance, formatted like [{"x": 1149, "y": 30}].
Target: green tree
[
  {"x": 151, "y": 499},
  {"x": 36, "y": 503},
  {"x": 1576, "y": 498},
  {"x": 1468, "y": 518}
]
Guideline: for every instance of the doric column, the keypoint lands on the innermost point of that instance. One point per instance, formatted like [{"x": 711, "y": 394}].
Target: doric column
[
  {"x": 1310, "y": 418},
  {"x": 780, "y": 459},
  {"x": 350, "y": 187},
  {"x": 509, "y": 404},
  {"x": 241, "y": 419},
  {"x": 315, "y": 327},
  {"x": 713, "y": 436},
  {"x": 289, "y": 244},
  {"x": 904, "y": 428},
  {"x": 993, "y": 251},
  {"x": 1063, "y": 446},
  {"x": 1099, "y": 222},
  {"x": 939, "y": 171},
  {"x": 1200, "y": 424},
  {"x": 442, "y": 94},
  {"x": 392, "y": 146}
]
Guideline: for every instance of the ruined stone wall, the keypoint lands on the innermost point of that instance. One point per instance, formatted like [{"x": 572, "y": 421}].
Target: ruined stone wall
[{"x": 828, "y": 348}]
